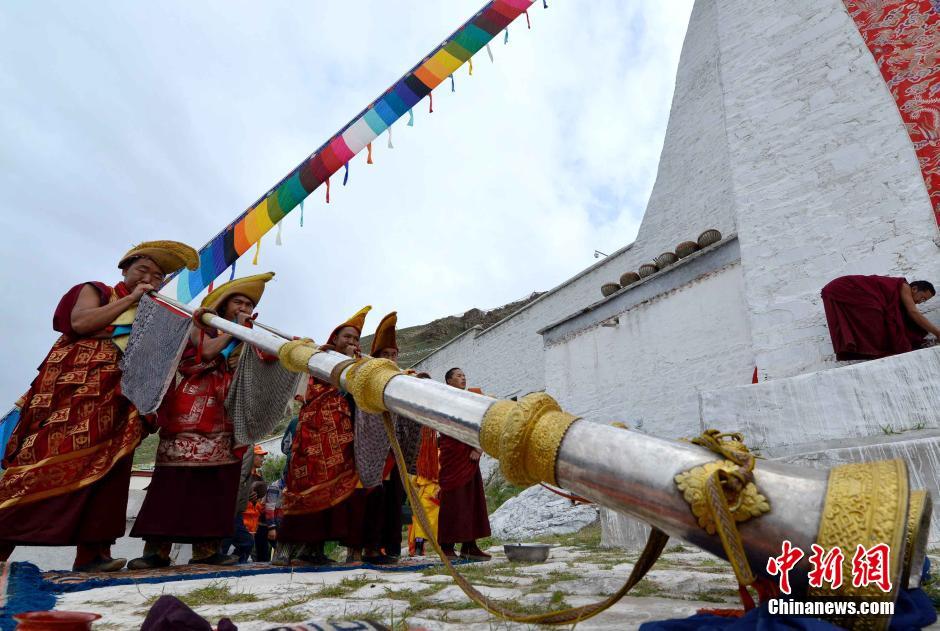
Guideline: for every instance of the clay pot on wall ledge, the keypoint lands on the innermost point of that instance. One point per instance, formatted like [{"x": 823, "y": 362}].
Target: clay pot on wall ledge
[
  {"x": 609, "y": 288},
  {"x": 708, "y": 237},
  {"x": 647, "y": 269},
  {"x": 666, "y": 259},
  {"x": 686, "y": 248},
  {"x": 628, "y": 278}
]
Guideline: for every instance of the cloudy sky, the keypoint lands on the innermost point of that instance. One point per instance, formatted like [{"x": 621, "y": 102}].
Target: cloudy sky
[{"x": 129, "y": 121}]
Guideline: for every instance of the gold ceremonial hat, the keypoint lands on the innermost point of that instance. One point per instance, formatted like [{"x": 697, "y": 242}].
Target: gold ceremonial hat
[
  {"x": 170, "y": 256},
  {"x": 385, "y": 334},
  {"x": 357, "y": 321},
  {"x": 250, "y": 286}
]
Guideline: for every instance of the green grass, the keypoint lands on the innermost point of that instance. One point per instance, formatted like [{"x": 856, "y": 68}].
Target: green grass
[
  {"x": 282, "y": 612},
  {"x": 216, "y": 593},
  {"x": 344, "y": 587},
  {"x": 146, "y": 453},
  {"x": 498, "y": 491}
]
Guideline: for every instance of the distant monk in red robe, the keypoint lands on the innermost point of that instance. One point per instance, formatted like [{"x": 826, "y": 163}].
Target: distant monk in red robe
[
  {"x": 321, "y": 475},
  {"x": 193, "y": 493},
  {"x": 463, "y": 515},
  {"x": 68, "y": 462},
  {"x": 876, "y": 316}
]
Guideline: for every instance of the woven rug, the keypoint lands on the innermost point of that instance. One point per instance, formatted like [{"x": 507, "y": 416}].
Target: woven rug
[{"x": 62, "y": 581}]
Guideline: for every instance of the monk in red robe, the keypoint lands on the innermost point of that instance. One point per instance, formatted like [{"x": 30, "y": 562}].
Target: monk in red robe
[
  {"x": 876, "y": 316},
  {"x": 68, "y": 462},
  {"x": 463, "y": 515},
  {"x": 193, "y": 493},
  {"x": 322, "y": 474}
]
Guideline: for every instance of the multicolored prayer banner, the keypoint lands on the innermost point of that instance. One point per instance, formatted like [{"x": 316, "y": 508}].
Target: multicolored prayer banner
[
  {"x": 239, "y": 236},
  {"x": 904, "y": 38}
]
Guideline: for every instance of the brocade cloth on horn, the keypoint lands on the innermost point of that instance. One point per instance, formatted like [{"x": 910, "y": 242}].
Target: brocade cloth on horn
[
  {"x": 156, "y": 343},
  {"x": 372, "y": 446},
  {"x": 259, "y": 396}
]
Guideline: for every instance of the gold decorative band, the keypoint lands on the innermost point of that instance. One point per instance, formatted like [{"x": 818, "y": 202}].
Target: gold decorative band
[
  {"x": 295, "y": 355},
  {"x": 866, "y": 504},
  {"x": 525, "y": 437},
  {"x": 366, "y": 381}
]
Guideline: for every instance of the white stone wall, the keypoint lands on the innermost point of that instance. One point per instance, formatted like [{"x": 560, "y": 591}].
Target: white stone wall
[
  {"x": 692, "y": 193},
  {"x": 647, "y": 370},
  {"x": 825, "y": 178},
  {"x": 872, "y": 398}
]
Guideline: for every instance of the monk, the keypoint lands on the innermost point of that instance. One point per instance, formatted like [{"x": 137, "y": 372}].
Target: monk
[
  {"x": 429, "y": 492},
  {"x": 876, "y": 316},
  {"x": 463, "y": 515},
  {"x": 193, "y": 493},
  {"x": 375, "y": 508},
  {"x": 68, "y": 462},
  {"x": 322, "y": 471}
]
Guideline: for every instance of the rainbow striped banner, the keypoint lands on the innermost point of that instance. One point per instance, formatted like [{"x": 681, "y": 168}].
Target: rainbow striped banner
[{"x": 239, "y": 236}]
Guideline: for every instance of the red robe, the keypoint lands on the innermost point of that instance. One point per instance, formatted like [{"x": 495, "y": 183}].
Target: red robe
[
  {"x": 68, "y": 461},
  {"x": 463, "y": 515},
  {"x": 867, "y": 319},
  {"x": 194, "y": 490},
  {"x": 322, "y": 471}
]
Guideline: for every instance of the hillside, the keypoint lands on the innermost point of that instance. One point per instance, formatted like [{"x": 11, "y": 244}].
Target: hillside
[{"x": 417, "y": 341}]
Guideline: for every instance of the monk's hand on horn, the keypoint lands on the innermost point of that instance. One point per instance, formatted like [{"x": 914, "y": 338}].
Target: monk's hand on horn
[
  {"x": 139, "y": 290},
  {"x": 197, "y": 319}
]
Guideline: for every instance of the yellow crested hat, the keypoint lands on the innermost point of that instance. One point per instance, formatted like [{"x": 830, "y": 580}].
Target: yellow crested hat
[
  {"x": 250, "y": 286},
  {"x": 170, "y": 256},
  {"x": 357, "y": 321},
  {"x": 385, "y": 334}
]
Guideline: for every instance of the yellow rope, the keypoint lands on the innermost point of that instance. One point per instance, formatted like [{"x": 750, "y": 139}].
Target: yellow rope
[
  {"x": 654, "y": 547},
  {"x": 719, "y": 486}
]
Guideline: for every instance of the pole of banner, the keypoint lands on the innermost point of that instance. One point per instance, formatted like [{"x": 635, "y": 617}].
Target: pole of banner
[{"x": 661, "y": 482}]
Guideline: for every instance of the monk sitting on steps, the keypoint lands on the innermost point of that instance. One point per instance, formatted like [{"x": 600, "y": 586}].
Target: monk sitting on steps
[{"x": 876, "y": 316}]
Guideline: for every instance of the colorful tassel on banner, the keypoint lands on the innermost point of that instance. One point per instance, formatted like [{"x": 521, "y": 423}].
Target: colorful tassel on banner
[
  {"x": 470, "y": 62},
  {"x": 390, "y": 145},
  {"x": 327, "y": 190},
  {"x": 489, "y": 52},
  {"x": 430, "y": 102},
  {"x": 346, "y": 174},
  {"x": 210, "y": 287},
  {"x": 411, "y": 118},
  {"x": 254, "y": 261},
  {"x": 369, "y": 155},
  {"x": 528, "y": 21},
  {"x": 280, "y": 229},
  {"x": 506, "y": 36},
  {"x": 452, "y": 88},
  {"x": 301, "y": 213},
  {"x": 232, "y": 276}
]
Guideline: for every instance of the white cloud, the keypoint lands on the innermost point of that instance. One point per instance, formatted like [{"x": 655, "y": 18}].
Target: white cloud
[{"x": 122, "y": 122}]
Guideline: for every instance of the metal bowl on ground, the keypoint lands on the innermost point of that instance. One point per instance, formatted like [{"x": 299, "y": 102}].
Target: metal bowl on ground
[
  {"x": 686, "y": 248},
  {"x": 708, "y": 237},
  {"x": 526, "y": 552},
  {"x": 647, "y": 269},
  {"x": 609, "y": 288},
  {"x": 628, "y": 278},
  {"x": 666, "y": 259}
]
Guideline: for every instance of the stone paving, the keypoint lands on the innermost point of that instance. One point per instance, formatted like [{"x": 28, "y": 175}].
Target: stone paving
[{"x": 683, "y": 581}]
